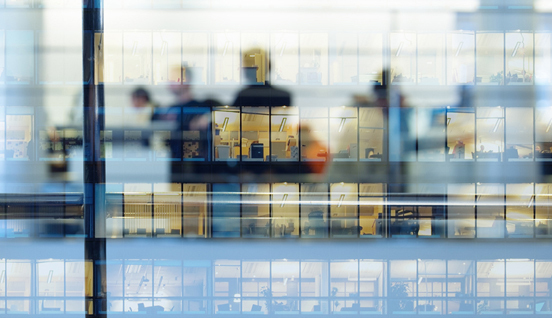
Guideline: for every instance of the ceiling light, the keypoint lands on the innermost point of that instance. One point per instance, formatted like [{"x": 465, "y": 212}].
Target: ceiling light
[
  {"x": 225, "y": 123},
  {"x": 516, "y": 49},
  {"x": 399, "y": 49},
  {"x": 283, "y": 124},
  {"x": 50, "y": 274},
  {"x": 284, "y": 200},
  {"x": 341, "y": 124},
  {"x": 459, "y": 48},
  {"x": 340, "y": 200}
]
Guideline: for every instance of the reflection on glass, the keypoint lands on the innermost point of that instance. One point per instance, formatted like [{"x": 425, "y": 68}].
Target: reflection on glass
[
  {"x": 285, "y": 283},
  {"x": 112, "y": 44},
  {"x": 403, "y": 58},
  {"x": 255, "y": 202},
  {"x": 343, "y": 125},
  {"x": 166, "y": 56},
  {"x": 519, "y": 58},
  {"x": 254, "y": 50},
  {"x": 313, "y": 68},
  {"x": 431, "y": 134},
  {"x": 227, "y": 286},
  {"x": 431, "y": 284},
  {"x": 490, "y": 59},
  {"x": 285, "y": 210},
  {"x": 402, "y": 286},
  {"x": 543, "y": 210},
  {"x": 51, "y": 62},
  {"x": 460, "y": 58},
  {"x": 519, "y": 210},
  {"x": 343, "y": 58},
  {"x": 490, "y": 133},
  {"x": 254, "y": 142},
  {"x": 285, "y": 58},
  {"x": 51, "y": 281},
  {"x": 490, "y": 283},
  {"x": 461, "y": 210},
  {"x": 403, "y": 215},
  {"x": 490, "y": 210},
  {"x": 227, "y": 58},
  {"x": 372, "y": 283},
  {"x": 370, "y": 58},
  {"x": 314, "y": 134},
  {"x": 195, "y": 57},
  {"x": 284, "y": 134},
  {"x": 137, "y": 58},
  {"x": 543, "y": 133},
  {"x": 20, "y": 59},
  {"x": 19, "y": 133},
  {"x": 344, "y": 214},
  {"x": 371, "y": 134},
  {"x": 18, "y": 282},
  {"x": 314, "y": 210},
  {"x": 195, "y": 286},
  {"x": 431, "y": 210},
  {"x": 2, "y": 56},
  {"x": 226, "y": 210},
  {"x": 167, "y": 283},
  {"x": 461, "y": 286},
  {"x": 227, "y": 133},
  {"x": 372, "y": 209},
  {"x": 461, "y": 133},
  {"x": 543, "y": 58},
  {"x": 344, "y": 284},
  {"x": 519, "y": 134},
  {"x": 114, "y": 210},
  {"x": 167, "y": 210},
  {"x": 137, "y": 209},
  {"x": 431, "y": 59}
]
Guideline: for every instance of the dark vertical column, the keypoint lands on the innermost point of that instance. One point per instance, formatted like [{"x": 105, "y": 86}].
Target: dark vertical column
[{"x": 94, "y": 168}]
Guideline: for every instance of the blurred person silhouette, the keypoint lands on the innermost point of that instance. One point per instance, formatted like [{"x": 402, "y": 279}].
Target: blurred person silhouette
[
  {"x": 143, "y": 107},
  {"x": 189, "y": 123},
  {"x": 259, "y": 92}
]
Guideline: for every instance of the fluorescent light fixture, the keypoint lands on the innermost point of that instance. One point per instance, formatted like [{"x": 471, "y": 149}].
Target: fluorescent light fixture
[
  {"x": 284, "y": 200},
  {"x": 341, "y": 124},
  {"x": 341, "y": 198},
  {"x": 2, "y": 277},
  {"x": 283, "y": 48},
  {"x": 448, "y": 121},
  {"x": 164, "y": 47},
  {"x": 50, "y": 274},
  {"x": 516, "y": 49},
  {"x": 531, "y": 201},
  {"x": 160, "y": 281},
  {"x": 225, "y": 123},
  {"x": 237, "y": 298},
  {"x": 497, "y": 124},
  {"x": 549, "y": 124},
  {"x": 420, "y": 280},
  {"x": 543, "y": 5},
  {"x": 459, "y": 48},
  {"x": 283, "y": 124},
  {"x": 399, "y": 49},
  {"x": 134, "y": 48}
]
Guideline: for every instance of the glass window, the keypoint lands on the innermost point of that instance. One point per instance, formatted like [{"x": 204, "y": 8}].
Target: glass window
[
  {"x": 431, "y": 210},
  {"x": 314, "y": 210},
  {"x": 51, "y": 281},
  {"x": 519, "y": 210},
  {"x": 285, "y": 58},
  {"x": 195, "y": 57},
  {"x": 227, "y": 286},
  {"x": 344, "y": 287},
  {"x": 20, "y": 59},
  {"x": 431, "y": 285},
  {"x": 403, "y": 58},
  {"x": 490, "y": 283},
  {"x": 285, "y": 134},
  {"x": 196, "y": 134},
  {"x": 372, "y": 284},
  {"x": 2, "y": 56},
  {"x": 285, "y": 283},
  {"x": 254, "y": 142},
  {"x": 254, "y": 51},
  {"x": 227, "y": 133},
  {"x": 402, "y": 134},
  {"x": 490, "y": 59},
  {"x": 370, "y": 58},
  {"x": 113, "y": 57},
  {"x": 402, "y": 286},
  {"x": 519, "y": 134},
  {"x": 227, "y": 58},
  {"x": 138, "y": 209},
  {"x": 431, "y": 59},
  {"x": 314, "y": 134},
  {"x": 343, "y": 58},
  {"x": 403, "y": 214},
  {"x": 460, "y": 58},
  {"x": 18, "y": 279},
  {"x": 76, "y": 274},
  {"x": 114, "y": 199},
  {"x": 543, "y": 209},
  {"x": 520, "y": 282},
  {"x": 543, "y": 276},
  {"x": 167, "y": 49},
  {"x": 167, "y": 283},
  {"x": 371, "y": 134},
  {"x": 196, "y": 277},
  {"x": 313, "y": 67},
  {"x": 490, "y": 210},
  {"x": 344, "y": 212},
  {"x": 51, "y": 70},
  {"x": 167, "y": 210},
  {"x": 431, "y": 134},
  {"x": 519, "y": 58},
  {"x": 543, "y": 58},
  {"x": 343, "y": 139},
  {"x": 226, "y": 210},
  {"x": 255, "y": 203},
  {"x": 285, "y": 209},
  {"x": 461, "y": 210},
  {"x": 460, "y": 289},
  {"x": 543, "y": 133},
  {"x": 490, "y": 133},
  {"x": 256, "y": 290},
  {"x": 372, "y": 209},
  {"x": 314, "y": 285}
]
